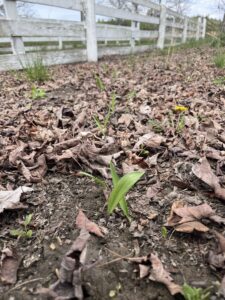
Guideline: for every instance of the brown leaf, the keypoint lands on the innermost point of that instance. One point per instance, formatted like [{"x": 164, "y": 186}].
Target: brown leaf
[
  {"x": 159, "y": 274},
  {"x": 11, "y": 199},
  {"x": 9, "y": 266},
  {"x": 35, "y": 173},
  {"x": 204, "y": 172},
  {"x": 153, "y": 190},
  {"x": 150, "y": 140},
  {"x": 82, "y": 222},
  {"x": 187, "y": 218},
  {"x": 70, "y": 274},
  {"x": 125, "y": 119},
  {"x": 17, "y": 153}
]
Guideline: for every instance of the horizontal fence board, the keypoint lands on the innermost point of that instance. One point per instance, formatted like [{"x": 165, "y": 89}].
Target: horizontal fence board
[
  {"x": 102, "y": 10},
  {"x": 124, "y": 50},
  {"x": 68, "y": 4},
  {"x": 174, "y": 25},
  {"x": 37, "y": 28},
  {"x": 10, "y": 61},
  {"x": 147, "y": 3}
]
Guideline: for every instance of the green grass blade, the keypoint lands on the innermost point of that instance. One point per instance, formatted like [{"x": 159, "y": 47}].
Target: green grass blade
[
  {"x": 122, "y": 201},
  {"x": 122, "y": 187},
  {"x": 94, "y": 178}
]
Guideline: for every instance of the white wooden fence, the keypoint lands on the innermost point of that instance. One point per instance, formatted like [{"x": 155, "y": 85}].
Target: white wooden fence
[{"x": 23, "y": 39}]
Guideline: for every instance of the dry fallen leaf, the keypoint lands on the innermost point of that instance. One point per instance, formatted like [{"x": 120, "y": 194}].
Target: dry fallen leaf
[
  {"x": 11, "y": 199},
  {"x": 9, "y": 265},
  {"x": 70, "y": 274},
  {"x": 150, "y": 140},
  {"x": 187, "y": 218},
  {"x": 159, "y": 274},
  {"x": 82, "y": 222},
  {"x": 204, "y": 172}
]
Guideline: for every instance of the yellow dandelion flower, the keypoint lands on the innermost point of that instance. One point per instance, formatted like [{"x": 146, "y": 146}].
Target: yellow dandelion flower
[{"x": 180, "y": 108}]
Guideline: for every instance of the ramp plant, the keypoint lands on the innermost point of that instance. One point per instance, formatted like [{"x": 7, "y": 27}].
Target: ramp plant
[
  {"x": 25, "y": 232},
  {"x": 120, "y": 188}
]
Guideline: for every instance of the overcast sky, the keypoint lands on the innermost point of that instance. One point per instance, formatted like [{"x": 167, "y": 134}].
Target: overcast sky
[{"x": 198, "y": 7}]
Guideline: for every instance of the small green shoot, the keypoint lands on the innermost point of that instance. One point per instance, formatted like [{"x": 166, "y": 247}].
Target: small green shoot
[
  {"x": 37, "y": 93},
  {"x": 219, "y": 60},
  {"x": 156, "y": 126},
  {"x": 191, "y": 293},
  {"x": 104, "y": 125},
  {"x": 99, "y": 83},
  {"x": 180, "y": 123},
  {"x": 164, "y": 232},
  {"x": 131, "y": 95},
  {"x": 96, "y": 180},
  {"x": 219, "y": 81},
  {"x": 36, "y": 70},
  {"x": 121, "y": 188},
  {"x": 27, "y": 233}
]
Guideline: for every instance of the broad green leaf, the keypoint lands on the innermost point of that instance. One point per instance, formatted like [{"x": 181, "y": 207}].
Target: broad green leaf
[
  {"x": 27, "y": 219},
  {"x": 29, "y": 233},
  {"x": 122, "y": 188},
  {"x": 95, "y": 179},
  {"x": 16, "y": 232},
  {"x": 122, "y": 201}
]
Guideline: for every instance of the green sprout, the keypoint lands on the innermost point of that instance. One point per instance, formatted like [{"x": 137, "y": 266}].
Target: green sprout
[
  {"x": 164, "y": 232},
  {"x": 192, "y": 293},
  {"x": 102, "y": 126},
  {"x": 121, "y": 186},
  {"x": 27, "y": 233},
  {"x": 37, "y": 93},
  {"x": 99, "y": 83}
]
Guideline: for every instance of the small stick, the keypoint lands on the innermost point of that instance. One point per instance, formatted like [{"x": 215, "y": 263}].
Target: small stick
[{"x": 22, "y": 284}]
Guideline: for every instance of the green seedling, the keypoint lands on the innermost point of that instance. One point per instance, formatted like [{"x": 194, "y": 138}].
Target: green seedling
[
  {"x": 36, "y": 70},
  {"x": 96, "y": 180},
  {"x": 37, "y": 93},
  {"x": 121, "y": 187},
  {"x": 180, "y": 123},
  {"x": 219, "y": 81},
  {"x": 27, "y": 233},
  {"x": 99, "y": 83},
  {"x": 156, "y": 126},
  {"x": 219, "y": 60},
  {"x": 164, "y": 232},
  {"x": 102, "y": 126},
  {"x": 191, "y": 293}
]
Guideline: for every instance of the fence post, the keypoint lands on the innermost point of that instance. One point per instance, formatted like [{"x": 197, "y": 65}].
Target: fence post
[
  {"x": 204, "y": 27},
  {"x": 162, "y": 28},
  {"x": 184, "y": 35},
  {"x": 134, "y": 26},
  {"x": 60, "y": 43},
  {"x": 91, "y": 35},
  {"x": 11, "y": 14},
  {"x": 198, "y": 29},
  {"x": 172, "y": 32}
]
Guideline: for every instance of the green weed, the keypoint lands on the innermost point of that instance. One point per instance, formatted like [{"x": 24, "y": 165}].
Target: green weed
[
  {"x": 102, "y": 126},
  {"x": 164, "y": 232},
  {"x": 180, "y": 123},
  {"x": 219, "y": 60},
  {"x": 121, "y": 186},
  {"x": 219, "y": 81},
  {"x": 37, "y": 93},
  {"x": 131, "y": 95},
  {"x": 156, "y": 126},
  {"x": 99, "y": 83},
  {"x": 25, "y": 232},
  {"x": 191, "y": 293},
  {"x": 36, "y": 70}
]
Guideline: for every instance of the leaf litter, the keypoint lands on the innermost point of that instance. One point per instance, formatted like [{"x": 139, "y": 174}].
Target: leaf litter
[{"x": 168, "y": 122}]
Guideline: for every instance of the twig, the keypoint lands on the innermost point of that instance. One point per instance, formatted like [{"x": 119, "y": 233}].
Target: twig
[{"x": 23, "y": 283}]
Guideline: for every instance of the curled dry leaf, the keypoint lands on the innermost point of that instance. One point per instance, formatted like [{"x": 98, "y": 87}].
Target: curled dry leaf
[
  {"x": 9, "y": 266},
  {"x": 153, "y": 190},
  {"x": 82, "y": 222},
  {"x": 36, "y": 172},
  {"x": 151, "y": 266},
  {"x": 204, "y": 172},
  {"x": 11, "y": 199},
  {"x": 150, "y": 140},
  {"x": 69, "y": 285},
  {"x": 187, "y": 218}
]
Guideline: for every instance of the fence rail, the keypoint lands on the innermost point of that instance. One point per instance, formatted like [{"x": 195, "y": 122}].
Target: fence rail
[{"x": 58, "y": 42}]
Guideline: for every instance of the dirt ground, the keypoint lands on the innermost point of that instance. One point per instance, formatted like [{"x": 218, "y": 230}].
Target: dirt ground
[{"x": 147, "y": 87}]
